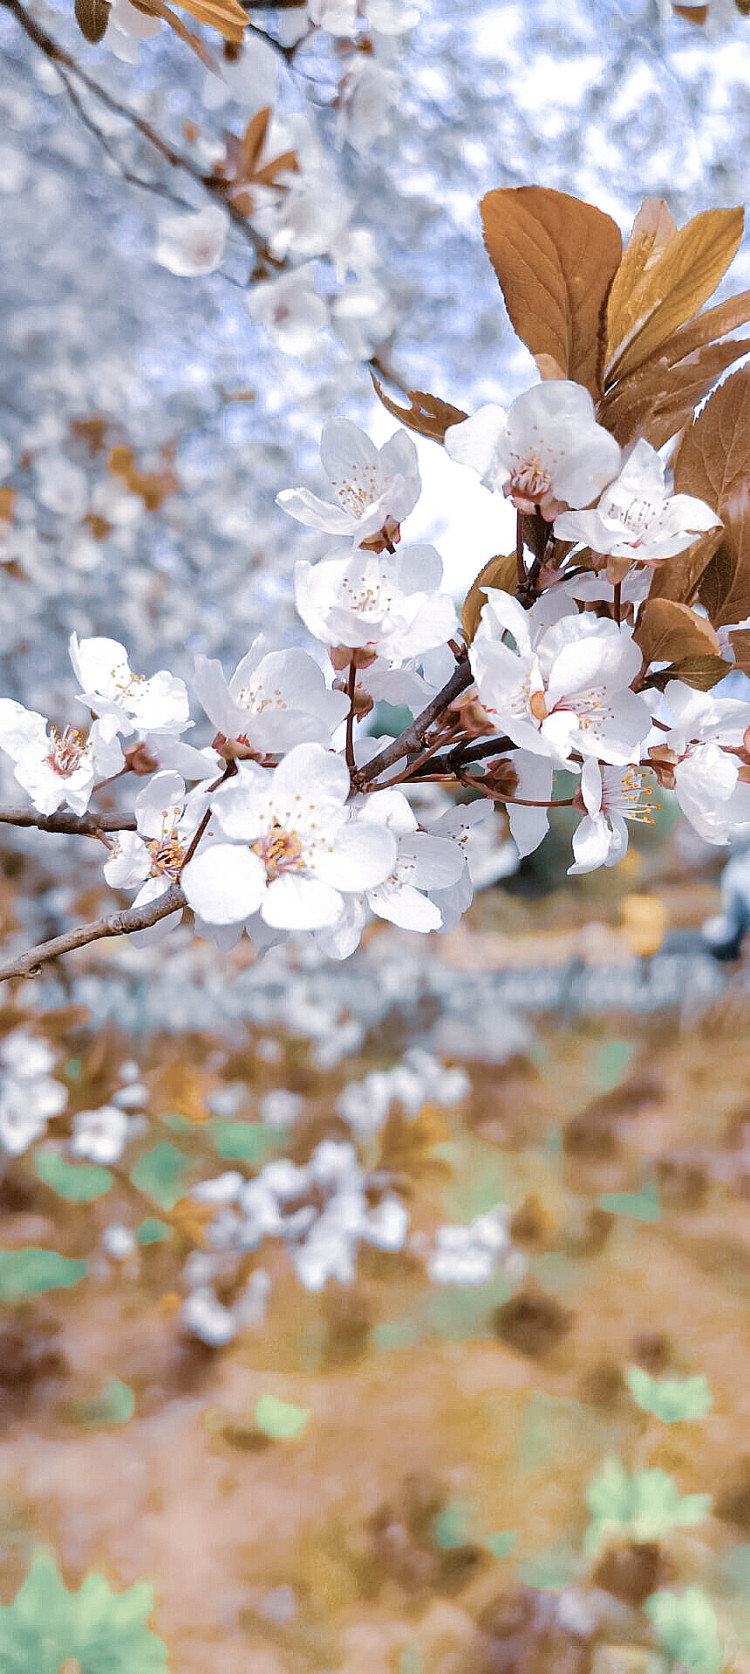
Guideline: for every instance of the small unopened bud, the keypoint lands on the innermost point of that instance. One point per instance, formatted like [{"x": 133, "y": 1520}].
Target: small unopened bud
[
  {"x": 140, "y": 760},
  {"x": 502, "y": 778}
]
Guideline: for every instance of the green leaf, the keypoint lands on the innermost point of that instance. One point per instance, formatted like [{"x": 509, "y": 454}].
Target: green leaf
[
  {"x": 163, "y": 1173},
  {"x": 77, "y": 1182},
  {"x": 639, "y": 1206},
  {"x": 153, "y": 1231},
  {"x": 502, "y": 1543},
  {"x": 686, "y": 1624},
  {"x": 644, "y": 1507},
  {"x": 32, "y": 1271},
  {"x": 238, "y": 1141},
  {"x": 114, "y": 1405},
  {"x": 105, "y": 1632},
  {"x": 451, "y": 1526},
  {"x": 280, "y": 1419},
  {"x": 670, "y": 1399}
]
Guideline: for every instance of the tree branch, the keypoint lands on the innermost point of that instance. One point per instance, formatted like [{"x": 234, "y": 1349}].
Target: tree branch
[
  {"x": 57, "y": 56},
  {"x": 76, "y": 825},
  {"x": 455, "y": 760},
  {"x": 414, "y": 736},
  {"x": 118, "y": 924}
]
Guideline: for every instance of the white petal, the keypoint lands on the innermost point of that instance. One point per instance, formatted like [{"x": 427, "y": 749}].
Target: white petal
[
  {"x": 224, "y": 883},
  {"x": 361, "y": 855},
  {"x": 293, "y": 902}
]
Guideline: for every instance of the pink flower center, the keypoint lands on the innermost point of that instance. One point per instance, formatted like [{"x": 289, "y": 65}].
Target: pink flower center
[{"x": 67, "y": 751}]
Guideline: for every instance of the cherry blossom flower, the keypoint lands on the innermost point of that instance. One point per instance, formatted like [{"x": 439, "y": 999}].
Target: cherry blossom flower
[
  {"x": 375, "y": 487},
  {"x": 636, "y": 518},
  {"x": 610, "y": 796},
  {"x": 101, "y": 1135},
  {"x": 546, "y": 453},
  {"x": 58, "y": 767},
  {"x": 154, "y": 854},
  {"x": 337, "y": 17},
  {"x": 155, "y": 706},
  {"x": 29, "y": 1096},
  {"x": 390, "y": 606},
  {"x": 368, "y": 95},
  {"x": 423, "y": 862},
  {"x": 294, "y": 851},
  {"x": 566, "y": 687},
  {"x": 192, "y": 244},
  {"x": 292, "y": 312},
  {"x": 275, "y": 699},
  {"x": 693, "y": 756},
  {"x": 473, "y": 830}
]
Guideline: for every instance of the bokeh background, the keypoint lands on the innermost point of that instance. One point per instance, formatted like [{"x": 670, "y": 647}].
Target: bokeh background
[{"x": 522, "y": 1148}]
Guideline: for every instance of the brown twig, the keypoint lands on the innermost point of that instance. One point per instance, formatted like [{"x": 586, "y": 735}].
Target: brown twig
[
  {"x": 118, "y": 924},
  {"x": 414, "y": 736},
  {"x": 67, "y": 823},
  {"x": 351, "y": 690}
]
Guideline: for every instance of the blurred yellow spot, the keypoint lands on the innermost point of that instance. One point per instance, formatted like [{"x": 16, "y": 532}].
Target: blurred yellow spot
[
  {"x": 644, "y": 921},
  {"x": 170, "y": 1302}
]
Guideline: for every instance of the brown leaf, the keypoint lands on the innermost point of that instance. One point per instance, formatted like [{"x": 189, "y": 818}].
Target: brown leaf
[
  {"x": 226, "y": 16},
  {"x": 740, "y": 643},
  {"x": 658, "y": 400},
  {"x": 713, "y": 462},
  {"x": 92, "y": 17},
  {"x": 406, "y": 1143},
  {"x": 555, "y": 258},
  {"x": 428, "y": 415},
  {"x": 499, "y": 572},
  {"x": 253, "y": 141},
  {"x": 668, "y": 632},
  {"x": 678, "y": 578},
  {"x": 701, "y": 672},
  {"x": 707, "y": 327},
  {"x": 678, "y": 274},
  {"x": 286, "y": 162}
]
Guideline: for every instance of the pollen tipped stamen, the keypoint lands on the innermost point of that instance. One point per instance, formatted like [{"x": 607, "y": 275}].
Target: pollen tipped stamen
[{"x": 67, "y": 752}]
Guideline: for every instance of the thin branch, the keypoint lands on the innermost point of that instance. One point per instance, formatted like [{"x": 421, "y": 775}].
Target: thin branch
[
  {"x": 76, "y": 825},
  {"x": 464, "y": 754},
  {"x": 118, "y": 924},
  {"x": 414, "y": 736},
  {"x": 176, "y": 159},
  {"x": 351, "y": 693}
]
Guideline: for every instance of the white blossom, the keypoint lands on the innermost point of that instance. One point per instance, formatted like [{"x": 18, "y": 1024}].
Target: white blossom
[
  {"x": 275, "y": 699},
  {"x": 302, "y": 852},
  {"x": 374, "y": 486},
  {"x": 636, "y": 518},
  {"x": 101, "y": 1135},
  {"x": 194, "y": 243},
  {"x": 545, "y": 453},
  {"x": 566, "y": 687},
  {"x": 391, "y": 606},
  {"x": 292, "y": 312},
  {"x": 154, "y": 705},
  {"x": 29, "y": 1096},
  {"x": 58, "y": 767},
  {"x": 610, "y": 796}
]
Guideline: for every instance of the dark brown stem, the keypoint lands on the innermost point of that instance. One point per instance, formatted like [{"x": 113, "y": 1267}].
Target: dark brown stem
[
  {"x": 618, "y": 602},
  {"x": 229, "y": 772},
  {"x": 75, "y": 825},
  {"x": 414, "y": 736},
  {"x": 118, "y": 924},
  {"x": 464, "y": 754},
  {"x": 349, "y": 748}
]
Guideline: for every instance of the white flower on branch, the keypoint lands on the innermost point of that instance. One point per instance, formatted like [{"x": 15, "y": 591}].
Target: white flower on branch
[
  {"x": 275, "y": 699},
  {"x": 375, "y": 487},
  {"x": 423, "y": 862},
  {"x": 566, "y": 687},
  {"x": 292, "y": 312},
  {"x": 610, "y": 796},
  {"x": 193, "y": 244},
  {"x": 636, "y": 518},
  {"x": 369, "y": 94},
  {"x": 57, "y": 768},
  {"x": 546, "y": 452},
  {"x": 390, "y": 606},
  {"x": 294, "y": 851},
  {"x": 29, "y": 1097},
  {"x": 157, "y": 705}
]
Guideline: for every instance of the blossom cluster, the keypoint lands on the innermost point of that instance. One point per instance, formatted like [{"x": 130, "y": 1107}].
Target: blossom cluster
[{"x": 292, "y": 819}]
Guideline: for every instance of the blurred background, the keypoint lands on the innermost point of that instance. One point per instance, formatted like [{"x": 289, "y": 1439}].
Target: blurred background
[{"x": 388, "y": 1316}]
